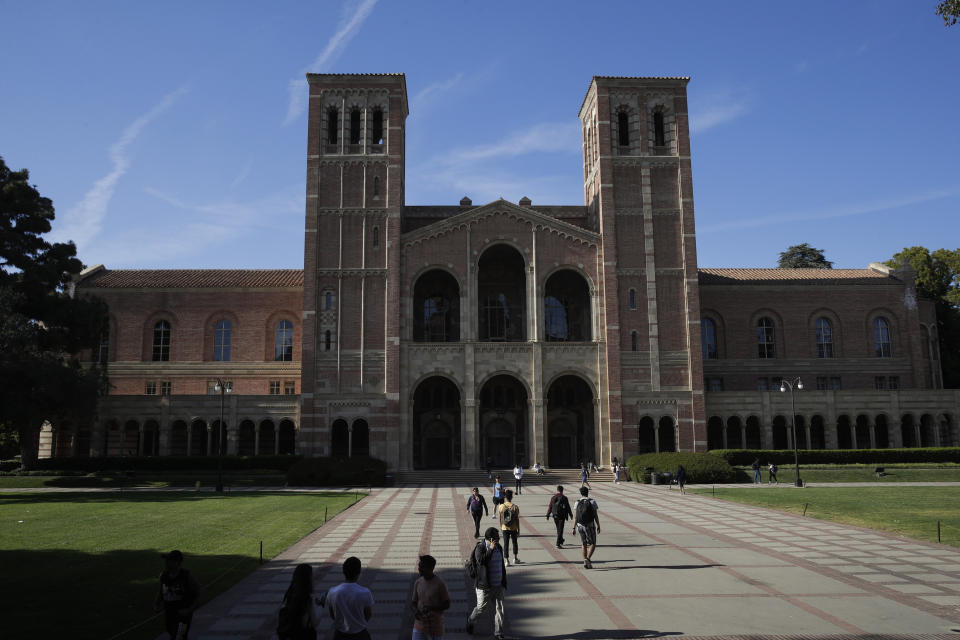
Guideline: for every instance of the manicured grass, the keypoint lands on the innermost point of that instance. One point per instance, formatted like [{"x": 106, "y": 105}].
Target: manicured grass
[
  {"x": 89, "y": 562},
  {"x": 156, "y": 480},
  {"x": 906, "y": 511}
]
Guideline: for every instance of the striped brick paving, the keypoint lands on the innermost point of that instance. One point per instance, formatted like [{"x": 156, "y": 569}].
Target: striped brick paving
[{"x": 667, "y": 565}]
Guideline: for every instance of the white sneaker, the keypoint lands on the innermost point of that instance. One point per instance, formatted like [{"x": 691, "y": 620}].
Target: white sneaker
[
  {"x": 516, "y": 559},
  {"x": 508, "y": 562}
]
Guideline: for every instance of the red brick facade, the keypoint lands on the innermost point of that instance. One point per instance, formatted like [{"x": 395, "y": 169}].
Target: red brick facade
[{"x": 441, "y": 336}]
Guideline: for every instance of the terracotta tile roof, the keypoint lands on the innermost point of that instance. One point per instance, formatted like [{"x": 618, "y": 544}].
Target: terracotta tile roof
[
  {"x": 794, "y": 276},
  {"x": 194, "y": 279}
]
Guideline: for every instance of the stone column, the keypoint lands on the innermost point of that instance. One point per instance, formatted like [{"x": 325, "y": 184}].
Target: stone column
[
  {"x": 656, "y": 437},
  {"x": 873, "y": 434},
  {"x": 256, "y": 439},
  {"x": 725, "y": 445},
  {"x": 806, "y": 430},
  {"x": 853, "y": 433},
  {"x": 743, "y": 434},
  {"x": 209, "y": 439}
]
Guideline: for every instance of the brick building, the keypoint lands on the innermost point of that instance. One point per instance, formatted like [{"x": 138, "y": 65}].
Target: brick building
[{"x": 441, "y": 336}]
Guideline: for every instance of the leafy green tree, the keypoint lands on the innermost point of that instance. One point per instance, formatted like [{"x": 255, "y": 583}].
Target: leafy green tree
[
  {"x": 43, "y": 328},
  {"x": 803, "y": 256},
  {"x": 949, "y": 10},
  {"x": 938, "y": 279}
]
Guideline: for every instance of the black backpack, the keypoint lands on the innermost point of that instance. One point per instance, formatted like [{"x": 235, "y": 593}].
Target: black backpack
[
  {"x": 586, "y": 514},
  {"x": 470, "y": 564},
  {"x": 509, "y": 515},
  {"x": 558, "y": 510}
]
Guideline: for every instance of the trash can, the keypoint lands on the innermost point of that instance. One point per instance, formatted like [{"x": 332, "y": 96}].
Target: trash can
[{"x": 654, "y": 478}]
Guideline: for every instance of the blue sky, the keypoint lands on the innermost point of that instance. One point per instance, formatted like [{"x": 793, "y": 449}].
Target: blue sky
[{"x": 174, "y": 135}]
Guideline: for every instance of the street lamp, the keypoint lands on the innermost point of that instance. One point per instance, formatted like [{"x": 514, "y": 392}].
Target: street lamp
[
  {"x": 221, "y": 436},
  {"x": 784, "y": 385}
]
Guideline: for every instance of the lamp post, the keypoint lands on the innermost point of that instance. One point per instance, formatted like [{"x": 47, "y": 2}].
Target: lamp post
[
  {"x": 784, "y": 385},
  {"x": 223, "y": 389}
]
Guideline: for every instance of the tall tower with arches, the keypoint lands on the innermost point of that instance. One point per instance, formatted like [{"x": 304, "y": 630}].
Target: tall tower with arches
[
  {"x": 354, "y": 201},
  {"x": 638, "y": 191}
]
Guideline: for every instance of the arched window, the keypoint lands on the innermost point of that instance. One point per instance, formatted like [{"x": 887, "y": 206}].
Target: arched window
[
  {"x": 623, "y": 129},
  {"x": 161, "y": 341},
  {"x": 633, "y": 341},
  {"x": 633, "y": 299},
  {"x": 376, "y": 186},
  {"x": 881, "y": 337},
  {"x": 326, "y": 340},
  {"x": 283, "y": 343},
  {"x": 333, "y": 125},
  {"x": 659, "y": 137},
  {"x": 765, "y": 338},
  {"x": 221, "y": 341},
  {"x": 376, "y": 237},
  {"x": 377, "y": 135},
  {"x": 708, "y": 338},
  {"x": 103, "y": 350},
  {"x": 328, "y": 300},
  {"x": 355, "y": 126},
  {"x": 566, "y": 308},
  {"x": 824, "y": 338}
]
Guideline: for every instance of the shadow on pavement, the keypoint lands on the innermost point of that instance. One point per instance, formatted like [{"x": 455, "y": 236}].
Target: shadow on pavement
[{"x": 610, "y": 634}]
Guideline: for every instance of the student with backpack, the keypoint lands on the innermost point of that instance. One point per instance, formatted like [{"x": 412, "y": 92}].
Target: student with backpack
[
  {"x": 586, "y": 522},
  {"x": 772, "y": 470},
  {"x": 510, "y": 526},
  {"x": 477, "y": 506},
  {"x": 559, "y": 510},
  {"x": 485, "y": 566}
]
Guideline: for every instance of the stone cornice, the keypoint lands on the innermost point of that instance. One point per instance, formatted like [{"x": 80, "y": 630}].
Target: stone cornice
[
  {"x": 537, "y": 220},
  {"x": 648, "y": 161},
  {"x": 352, "y": 272},
  {"x": 203, "y": 369}
]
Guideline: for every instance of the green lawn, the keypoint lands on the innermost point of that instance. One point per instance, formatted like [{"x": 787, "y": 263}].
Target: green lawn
[
  {"x": 907, "y": 511},
  {"x": 88, "y": 562},
  {"x": 166, "y": 479}
]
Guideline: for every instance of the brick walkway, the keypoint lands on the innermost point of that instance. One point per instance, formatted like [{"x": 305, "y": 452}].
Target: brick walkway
[{"x": 667, "y": 565}]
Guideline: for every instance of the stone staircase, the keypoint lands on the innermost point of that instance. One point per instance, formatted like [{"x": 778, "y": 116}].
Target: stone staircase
[{"x": 478, "y": 477}]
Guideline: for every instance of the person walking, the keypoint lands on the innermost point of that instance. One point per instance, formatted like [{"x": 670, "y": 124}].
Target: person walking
[
  {"x": 518, "y": 476},
  {"x": 297, "y": 619},
  {"x": 489, "y": 468},
  {"x": 559, "y": 510},
  {"x": 178, "y": 596},
  {"x": 477, "y": 506},
  {"x": 497, "y": 495},
  {"x": 490, "y": 581},
  {"x": 350, "y": 605},
  {"x": 681, "y": 476},
  {"x": 772, "y": 473},
  {"x": 586, "y": 523},
  {"x": 430, "y": 599},
  {"x": 584, "y": 475},
  {"x": 509, "y": 514},
  {"x": 756, "y": 471}
]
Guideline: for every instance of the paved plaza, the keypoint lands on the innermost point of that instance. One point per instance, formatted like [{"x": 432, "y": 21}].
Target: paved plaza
[{"x": 667, "y": 565}]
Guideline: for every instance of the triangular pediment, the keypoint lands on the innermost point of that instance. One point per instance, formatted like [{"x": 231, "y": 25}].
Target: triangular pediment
[{"x": 497, "y": 208}]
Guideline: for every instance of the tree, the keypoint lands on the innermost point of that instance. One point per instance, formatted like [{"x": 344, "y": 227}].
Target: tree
[
  {"x": 803, "y": 256},
  {"x": 43, "y": 328},
  {"x": 949, "y": 10},
  {"x": 938, "y": 279}
]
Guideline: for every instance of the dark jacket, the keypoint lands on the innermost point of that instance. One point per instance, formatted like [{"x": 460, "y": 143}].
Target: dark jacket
[
  {"x": 564, "y": 506},
  {"x": 483, "y": 503},
  {"x": 481, "y": 557}
]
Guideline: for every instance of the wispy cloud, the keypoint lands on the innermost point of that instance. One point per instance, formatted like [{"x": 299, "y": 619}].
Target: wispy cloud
[
  {"x": 83, "y": 222},
  {"x": 255, "y": 214},
  {"x": 546, "y": 137},
  {"x": 827, "y": 213},
  {"x": 347, "y": 28},
  {"x": 243, "y": 173},
  {"x": 719, "y": 110},
  {"x": 431, "y": 91}
]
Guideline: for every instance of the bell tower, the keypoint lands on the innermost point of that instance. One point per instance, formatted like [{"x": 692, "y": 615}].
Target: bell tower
[
  {"x": 354, "y": 201},
  {"x": 639, "y": 193}
]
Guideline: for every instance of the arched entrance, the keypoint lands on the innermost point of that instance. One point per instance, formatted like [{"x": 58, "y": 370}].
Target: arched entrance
[
  {"x": 569, "y": 423},
  {"x": 501, "y": 295},
  {"x": 503, "y": 421},
  {"x": 339, "y": 439},
  {"x": 436, "y": 424}
]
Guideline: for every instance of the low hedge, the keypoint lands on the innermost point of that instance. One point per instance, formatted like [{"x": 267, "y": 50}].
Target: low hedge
[
  {"x": 320, "y": 472},
  {"x": 702, "y": 468},
  {"x": 745, "y": 457},
  {"x": 164, "y": 463}
]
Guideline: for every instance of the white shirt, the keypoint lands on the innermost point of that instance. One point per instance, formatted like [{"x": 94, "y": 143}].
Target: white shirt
[
  {"x": 517, "y": 472},
  {"x": 347, "y": 601}
]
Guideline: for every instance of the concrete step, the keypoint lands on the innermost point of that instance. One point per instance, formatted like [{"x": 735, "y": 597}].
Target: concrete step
[{"x": 479, "y": 478}]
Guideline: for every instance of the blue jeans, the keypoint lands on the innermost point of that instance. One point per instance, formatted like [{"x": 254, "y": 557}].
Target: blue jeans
[
  {"x": 756, "y": 476},
  {"x": 417, "y": 635}
]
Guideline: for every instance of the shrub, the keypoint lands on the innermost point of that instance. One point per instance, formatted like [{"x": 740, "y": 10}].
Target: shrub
[
  {"x": 744, "y": 457},
  {"x": 702, "y": 468},
  {"x": 319, "y": 472}
]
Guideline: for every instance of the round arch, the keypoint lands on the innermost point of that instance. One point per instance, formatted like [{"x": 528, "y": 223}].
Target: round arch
[{"x": 570, "y": 422}]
